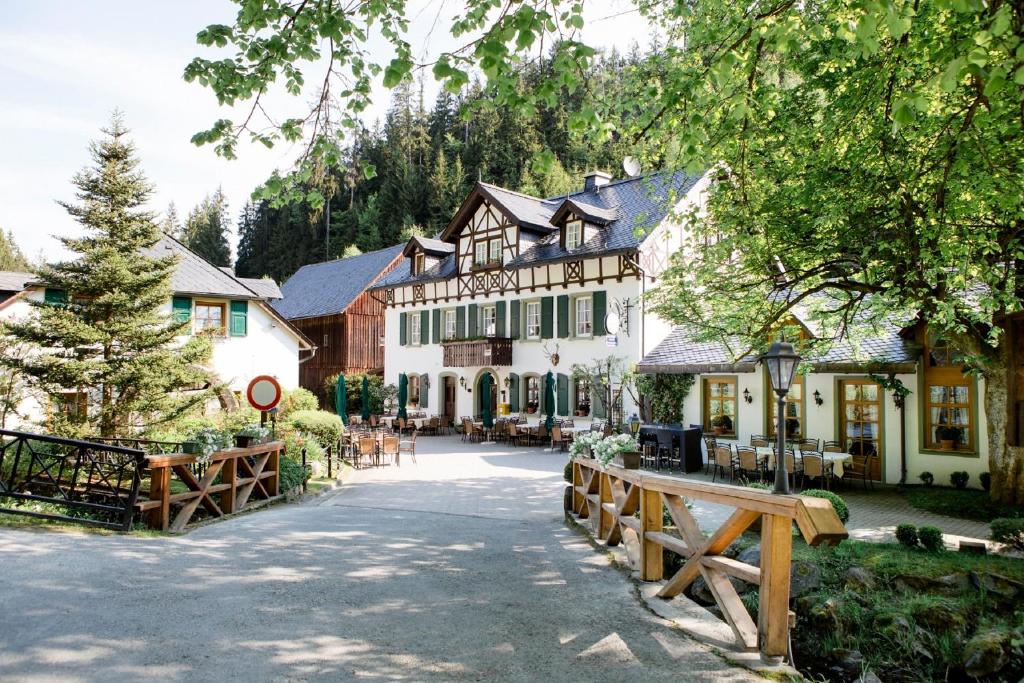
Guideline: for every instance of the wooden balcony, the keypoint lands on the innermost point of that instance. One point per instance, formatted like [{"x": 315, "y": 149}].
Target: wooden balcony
[{"x": 491, "y": 351}]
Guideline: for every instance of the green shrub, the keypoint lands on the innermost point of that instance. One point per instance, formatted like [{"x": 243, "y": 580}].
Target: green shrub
[
  {"x": 837, "y": 503},
  {"x": 759, "y": 485},
  {"x": 986, "y": 480},
  {"x": 292, "y": 474},
  {"x": 1009, "y": 531},
  {"x": 931, "y": 538},
  {"x": 959, "y": 479},
  {"x": 567, "y": 472},
  {"x": 324, "y": 426},
  {"x": 927, "y": 478},
  {"x": 294, "y": 400},
  {"x": 294, "y": 442},
  {"x": 906, "y": 534}
]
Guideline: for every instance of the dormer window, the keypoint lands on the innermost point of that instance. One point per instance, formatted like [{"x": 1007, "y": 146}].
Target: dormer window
[
  {"x": 419, "y": 263},
  {"x": 573, "y": 233}
]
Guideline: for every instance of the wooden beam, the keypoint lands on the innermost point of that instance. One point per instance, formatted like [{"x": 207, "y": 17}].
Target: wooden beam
[
  {"x": 651, "y": 555},
  {"x": 733, "y": 609},
  {"x": 741, "y": 570},
  {"x": 773, "y": 604},
  {"x": 719, "y": 541}
]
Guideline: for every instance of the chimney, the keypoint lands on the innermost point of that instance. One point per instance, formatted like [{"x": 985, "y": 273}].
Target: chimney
[{"x": 595, "y": 179}]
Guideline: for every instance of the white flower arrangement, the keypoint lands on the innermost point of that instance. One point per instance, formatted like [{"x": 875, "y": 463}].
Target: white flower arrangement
[
  {"x": 583, "y": 440},
  {"x": 208, "y": 441},
  {"x": 606, "y": 449}
]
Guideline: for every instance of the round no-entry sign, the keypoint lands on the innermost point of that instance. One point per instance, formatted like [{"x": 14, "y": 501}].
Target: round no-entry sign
[{"x": 264, "y": 393}]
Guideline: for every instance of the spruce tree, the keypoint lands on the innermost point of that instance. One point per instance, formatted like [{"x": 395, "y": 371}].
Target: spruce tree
[
  {"x": 206, "y": 230},
  {"x": 104, "y": 328},
  {"x": 11, "y": 256},
  {"x": 171, "y": 224}
]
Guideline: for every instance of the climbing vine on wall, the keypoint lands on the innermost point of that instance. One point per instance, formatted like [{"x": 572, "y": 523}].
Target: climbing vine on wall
[{"x": 661, "y": 397}]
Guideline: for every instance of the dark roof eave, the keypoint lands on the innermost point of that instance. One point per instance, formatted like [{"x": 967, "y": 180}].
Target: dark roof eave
[
  {"x": 901, "y": 368},
  {"x": 694, "y": 369}
]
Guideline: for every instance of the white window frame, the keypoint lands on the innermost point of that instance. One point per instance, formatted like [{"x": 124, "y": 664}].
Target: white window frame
[
  {"x": 573, "y": 233},
  {"x": 414, "y": 329},
  {"x": 485, "y": 313},
  {"x": 450, "y": 323},
  {"x": 589, "y": 318},
  {"x": 200, "y": 323},
  {"x": 480, "y": 253},
  {"x": 420, "y": 262},
  {"x": 535, "y": 306},
  {"x": 494, "y": 251}
]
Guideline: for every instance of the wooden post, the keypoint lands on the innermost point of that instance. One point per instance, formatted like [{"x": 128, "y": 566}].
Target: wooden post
[
  {"x": 651, "y": 553},
  {"x": 577, "y": 480},
  {"x": 160, "y": 489},
  {"x": 605, "y": 520},
  {"x": 773, "y": 605},
  {"x": 229, "y": 476},
  {"x": 274, "y": 465}
]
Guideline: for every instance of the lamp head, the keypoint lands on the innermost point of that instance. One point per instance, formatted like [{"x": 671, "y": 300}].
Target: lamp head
[{"x": 782, "y": 361}]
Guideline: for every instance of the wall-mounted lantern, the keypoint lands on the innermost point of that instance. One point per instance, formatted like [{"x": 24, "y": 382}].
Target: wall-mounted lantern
[
  {"x": 747, "y": 397},
  {"x": 818, "y": 400}
]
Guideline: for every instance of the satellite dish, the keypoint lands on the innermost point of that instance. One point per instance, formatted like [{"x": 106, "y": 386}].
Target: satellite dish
[{"x": 631, "y": 166}]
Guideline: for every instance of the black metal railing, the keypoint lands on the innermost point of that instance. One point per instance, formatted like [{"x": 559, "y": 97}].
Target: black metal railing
[{"x": 93, "y": 483}]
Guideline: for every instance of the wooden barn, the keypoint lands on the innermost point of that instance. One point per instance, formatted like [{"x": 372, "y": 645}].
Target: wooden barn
[{"x": 329, "y": 303}]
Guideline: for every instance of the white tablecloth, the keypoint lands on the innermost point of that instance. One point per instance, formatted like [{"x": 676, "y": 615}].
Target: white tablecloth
[{"x": 835, "y": 460}]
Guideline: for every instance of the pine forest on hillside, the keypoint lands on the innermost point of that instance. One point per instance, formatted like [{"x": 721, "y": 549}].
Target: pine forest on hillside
[{"x": 426, "y": 160}]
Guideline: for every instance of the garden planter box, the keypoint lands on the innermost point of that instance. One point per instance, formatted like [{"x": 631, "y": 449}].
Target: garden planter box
[
  {"x": 190, "y": 447},
  {"x": 629, "y": 460},
  {"x": 244, "y": 441}
]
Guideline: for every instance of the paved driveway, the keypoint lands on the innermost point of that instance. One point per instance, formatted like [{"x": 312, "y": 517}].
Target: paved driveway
[{"x": 456, "y": 568}]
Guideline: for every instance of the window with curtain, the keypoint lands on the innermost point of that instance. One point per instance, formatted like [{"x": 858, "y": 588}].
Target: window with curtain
[
  {"x": 584, "y": 316},
  {"x": 449, "y": 324},
  {"x": 495, "y": 251},
  {"x": 209, "y": 318},
  {"x": 860, "y": 417},
  {"x": 489, "y": 321},
  {"x": 533, "y": 320},
  {"x": 949, "y": 398},
  {"x": 414, "y": 329},
  {"x": 480, "y": 253},
  {"x": 720, "y": 406}
]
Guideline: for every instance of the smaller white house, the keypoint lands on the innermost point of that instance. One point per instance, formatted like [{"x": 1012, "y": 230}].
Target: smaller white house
[{"x": 249, "y": 337}]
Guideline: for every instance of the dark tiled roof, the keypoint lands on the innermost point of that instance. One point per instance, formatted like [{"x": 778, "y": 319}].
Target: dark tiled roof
[
  {"x": 263, "y": 286},
  {"x": 592, "y": 214},
  {"x": 634, "y": 206},
  {"x": 195, "y": 275},
  {"x": 881, "y": 348},
  {"x": 430, "y": 246},
  {"x": 328, "y": 288},
  {"x": 14, "y": 281}
]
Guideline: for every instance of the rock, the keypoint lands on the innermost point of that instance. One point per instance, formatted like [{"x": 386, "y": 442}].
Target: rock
[
  {"x": 751, "y": 556},
  {"x": 803, "y": 577},
  {"x": 940, "y": 618},
  {"x": 997, "y": 583},
  {"x": 825, "y": 616},
  {"x": 849, "y": 662},
  {"x": 986, "y": 653},
  {"x": 869, "y": 677},
  {"x": 859, "y": 579},
  {"x": 567, "y": 499},
  {"x": 732, "y": 550},
  {"x": 949, "y": 584},
  {"x": 700, "y": 592}
]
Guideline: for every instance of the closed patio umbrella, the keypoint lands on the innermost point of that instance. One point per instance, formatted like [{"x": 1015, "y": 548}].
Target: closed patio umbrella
[
  {"x": 366, "y": 397},
  {"x": 549, "y": 399},
  {"x": 403, "y": 394},
  {"x": 485, "y": 401},
  {"x": 341, "y": 399}
]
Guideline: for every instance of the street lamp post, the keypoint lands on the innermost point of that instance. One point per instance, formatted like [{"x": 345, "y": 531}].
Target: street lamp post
[{"x": 782, "y": 361}]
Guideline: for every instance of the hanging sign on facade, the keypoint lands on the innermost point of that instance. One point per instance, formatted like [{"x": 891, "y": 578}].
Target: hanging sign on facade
[{"x": 611, "y": 340}]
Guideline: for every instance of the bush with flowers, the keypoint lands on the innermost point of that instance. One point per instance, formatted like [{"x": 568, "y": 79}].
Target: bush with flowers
[{"x": 606, "y": 449}]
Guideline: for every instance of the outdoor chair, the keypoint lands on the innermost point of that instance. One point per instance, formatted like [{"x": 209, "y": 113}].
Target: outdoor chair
[
  {"x": 367, "y": 448},
  {"x": 515, "y": 437},
  {"x": 832, "y": 447},
  {"x": 408, "y": 446},
  {"x": 467, "y": 428},
  {"x": 813, "y": 468},
  {"x": 563, "y": 439},
  {"x": 666, "y": 450},
  {"x": 747, "y": 464},
  {"x": 541, "y": 436},
  {"x": 793, "y": 465},
  {"x": 759, "y": 441},
  {"x": 808, "y": 444},
  {"x": 568, "y": 423},
  {"x": 723, "y": 461},
  {"x": 858, "y": 469},
  {"x": 649, "y": 450},
  {"x": 389, "y": 449},
  {"x": 710, "y": 445},
  {"x": 374, "y": 421}
]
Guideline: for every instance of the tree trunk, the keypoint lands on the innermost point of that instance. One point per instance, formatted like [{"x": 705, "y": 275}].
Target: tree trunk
[{"x": 1005, "y": 462}]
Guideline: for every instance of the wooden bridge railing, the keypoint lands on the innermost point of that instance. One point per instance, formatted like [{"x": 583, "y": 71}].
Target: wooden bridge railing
[
  {"x": 611, "y": 498},
  {"x": 244, "y": 474}
]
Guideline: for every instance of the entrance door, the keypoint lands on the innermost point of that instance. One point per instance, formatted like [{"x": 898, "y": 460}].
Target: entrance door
[
  {"x": 861, "y": 423},
  {"x": 449, "y": 397}
]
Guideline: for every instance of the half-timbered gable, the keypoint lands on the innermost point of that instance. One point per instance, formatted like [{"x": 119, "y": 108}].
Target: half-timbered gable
[{"x": 528, "y": 281}]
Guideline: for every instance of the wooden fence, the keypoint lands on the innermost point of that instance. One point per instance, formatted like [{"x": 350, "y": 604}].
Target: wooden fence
[
  {"x": 231, "y": 480},
  {"x": 625, "y": 506}
]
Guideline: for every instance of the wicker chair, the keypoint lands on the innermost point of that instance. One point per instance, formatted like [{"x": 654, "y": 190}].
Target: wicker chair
[
  {"x": 747, "y": 464},
  {"x": 832, "y": 447},
  {"x": 563, "y": 439},
  {"x": 760, "y": 441},
  {"x": 407, "y": 446},
  {"x": 389, "y": 448},
  {"x": 366, "y": 448},
  {"x": 808, "y": 445},
  {"x": 813, "y": 468},
  {"x": 724, "y": 461},
  {"x": 859, "y": 469}
]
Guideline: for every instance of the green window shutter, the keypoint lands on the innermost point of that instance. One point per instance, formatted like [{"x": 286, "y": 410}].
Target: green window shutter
[
  {"x": 547, "y": 314},
  {"x": 181, "y": 309},
  {"x": 436, "y": 335},
  {"x": 424, "y": 391},
  {"x": 513, "y": 390},
  {"x": 513, "y": 324},
  {"x": 600, "y": 309},
  {"x": 239, "y": 318},
  {"x": 563, "y": 316},
  {"x": 55, "y": 296},
  {"x": 499, "y": 312},
  {"x": 563, "y": 394},
  {"x": 460, "y": 322},
  {"x": 403, "y": 329},
  {"x": 424, "y": 327},
  {"x": 596, "y": 404},
  {"x": 474, "y": 327}
]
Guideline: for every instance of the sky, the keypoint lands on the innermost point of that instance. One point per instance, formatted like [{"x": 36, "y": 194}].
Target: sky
[{"x": 65, "y": 65}]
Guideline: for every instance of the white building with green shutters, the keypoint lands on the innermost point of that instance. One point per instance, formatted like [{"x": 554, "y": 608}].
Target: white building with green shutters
[{"x": 517, "y": 286}]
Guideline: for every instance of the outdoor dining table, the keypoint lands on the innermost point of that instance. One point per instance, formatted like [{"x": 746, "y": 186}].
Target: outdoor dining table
[{"x": 833, "y": 460}]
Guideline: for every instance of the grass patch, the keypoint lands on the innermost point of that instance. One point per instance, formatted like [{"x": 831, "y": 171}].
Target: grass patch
[{"x": 962, "y": 504}]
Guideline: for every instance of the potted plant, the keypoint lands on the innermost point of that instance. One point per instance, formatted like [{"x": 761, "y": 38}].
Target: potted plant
[
  {"x": 721, "y": 424},
  {"x": 204, "y": 443},
  {"x": 949, "y": 437},
  {"x": 583, "y": 445},
  {"x": 531, "y": 408},
  {"x": 622, "y": 449},
  {"x": 250, "y": 435}
]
